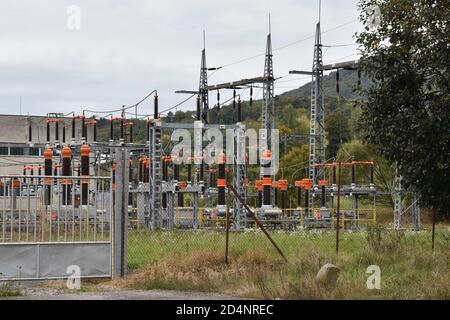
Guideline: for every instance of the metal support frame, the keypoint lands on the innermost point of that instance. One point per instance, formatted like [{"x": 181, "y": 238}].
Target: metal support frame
[
  {"x": 317, "y": 115},
  {"x": 268, "y": 102},
  {"x": 239, "y": 178},
  {"x": 121, "y": 212},
  {"x": 155, "y": 174},
  {"x": 397, "y": 195}
]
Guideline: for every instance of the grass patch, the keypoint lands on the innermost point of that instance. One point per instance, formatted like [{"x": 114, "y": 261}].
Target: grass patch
[
  {"x": 7, "y": 290},
  {"x": 194, "y": 260}
]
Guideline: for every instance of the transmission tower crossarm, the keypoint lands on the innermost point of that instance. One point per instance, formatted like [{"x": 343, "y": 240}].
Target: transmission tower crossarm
[
  {"x": 308, "y": 73},
  {"x": 349, "y": 65},
  {"x": 239, "y": 83},
  {"x": 187, "y": 92}
]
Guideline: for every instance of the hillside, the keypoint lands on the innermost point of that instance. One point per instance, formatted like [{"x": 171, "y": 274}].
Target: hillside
[
  {"x": 291, "y": 112},
  {"x": 348, "y": 80}
]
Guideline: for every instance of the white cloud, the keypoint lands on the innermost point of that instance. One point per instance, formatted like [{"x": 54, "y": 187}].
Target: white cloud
[{"x": 127, "y": 48}]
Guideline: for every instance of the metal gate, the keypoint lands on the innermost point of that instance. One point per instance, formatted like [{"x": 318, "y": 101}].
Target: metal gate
[{"x": 46, "y": 227}]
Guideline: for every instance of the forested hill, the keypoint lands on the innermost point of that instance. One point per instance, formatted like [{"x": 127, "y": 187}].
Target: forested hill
[
  {"x": 291, "y": 112},
  {"x": 348, "y": 79}
]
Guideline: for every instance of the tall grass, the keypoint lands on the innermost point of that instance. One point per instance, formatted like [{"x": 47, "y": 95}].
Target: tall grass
[{"x": 195, "y": 261}]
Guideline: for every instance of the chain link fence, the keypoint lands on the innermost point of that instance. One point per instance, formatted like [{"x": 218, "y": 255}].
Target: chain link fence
[{"x": 204, "y": 233}]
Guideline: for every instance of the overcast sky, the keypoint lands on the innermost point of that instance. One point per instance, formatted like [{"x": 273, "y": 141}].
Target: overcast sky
[{"x": 125, "y": 49}]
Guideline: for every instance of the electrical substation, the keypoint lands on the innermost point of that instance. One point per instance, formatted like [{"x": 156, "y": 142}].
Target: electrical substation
[{"x": 84, "y": 186}]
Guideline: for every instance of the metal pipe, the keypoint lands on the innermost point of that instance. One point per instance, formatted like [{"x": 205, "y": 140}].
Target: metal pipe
[
  {"x": 95, "y": 131},
  {"x": 275, "y": 191},
  {"x": 73, "y": 128},
  {"x": 48, "y": 131},
  {"x": 111, "y": 130},
  {"x": 83, "y": 128},
  {"x": 66, "y": 171},
  {"x": 156, "y": 111},
  {"x": 48, "y": 159},
  {"x": 334, "y": 175},
  {"x": 306, "y": 200},
  {"x": 239, "y": 110},
  {"x": 353, "y": 174},
  {"x": 131, "y": 132},
  {"x": 85, "y": 152},
  {"x": 323, "y": 197},
  {"x": 56, "y": 130},
  {"x": 30, "y": 133},
  {"x": 371, "y": 175},
  {"x": 198, "y": 108}
]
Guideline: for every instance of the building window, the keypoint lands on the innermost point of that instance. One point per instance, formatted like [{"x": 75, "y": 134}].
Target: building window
[
  {"x": 4, "y": 151},
  {"x": 16, "y": 151},
  {"x": 34, "y": 151}
]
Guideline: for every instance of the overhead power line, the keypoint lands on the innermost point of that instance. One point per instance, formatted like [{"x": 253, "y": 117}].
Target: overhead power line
[{"x": 287, "y": 45}]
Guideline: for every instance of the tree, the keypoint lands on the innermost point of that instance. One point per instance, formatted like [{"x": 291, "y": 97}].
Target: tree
[
  {"x": 405, "y": 50},
  {"x": 294, "y": 164},
  {"x": 338, "y": 132}
]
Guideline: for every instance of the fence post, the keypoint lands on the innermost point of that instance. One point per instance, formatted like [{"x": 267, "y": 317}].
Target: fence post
[
  {"x": 121, "y": 212},
  {"x": 338, "y": 209},
  {"x": 433, "y": 231}
]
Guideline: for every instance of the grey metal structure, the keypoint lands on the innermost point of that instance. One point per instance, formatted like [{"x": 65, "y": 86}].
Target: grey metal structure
[
  {"x": 155, "y": 182},
  {"x": 120, "y": 213},
  {"x": 397, "y": 195},
  {"x": 239, "y": 178},
  {"x": 202, "y": 90},
  {"x": 268, "y": 102},
  {"x": 317, "y": 114}
]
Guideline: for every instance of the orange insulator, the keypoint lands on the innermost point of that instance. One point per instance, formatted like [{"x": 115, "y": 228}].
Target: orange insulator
[
  {"x": 275, "y": 184},
  {"x": 307, "y": 183},
  {"x": 85, "y": 150},
  {"x": 299, "y": 183},
  {"x": 267, "y": 154},
  {"x": 221, "y": 158},
  {"x": 283, "y": 184},
  {"x": 221, "y": 182},
  {"x": 182, "y": 184},
  {"x": 267, "y": 181},
  {"x": 167, "y": 159},
  {"x": 66, "y": 152},
  {"x": 323, "y": 182},
  {"x": 258, "y": 185},
  {"x": 48, "y": 154}
]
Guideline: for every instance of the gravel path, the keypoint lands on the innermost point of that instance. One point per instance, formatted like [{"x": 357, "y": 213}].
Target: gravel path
[{"x": 34, "y": 290}]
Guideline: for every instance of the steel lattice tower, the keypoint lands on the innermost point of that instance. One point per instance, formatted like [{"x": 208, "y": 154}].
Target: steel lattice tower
[
  {"x": 268, "y": 103},
  {"x": 203, "y": 92},
  {"x": 317, "y": 116}
]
